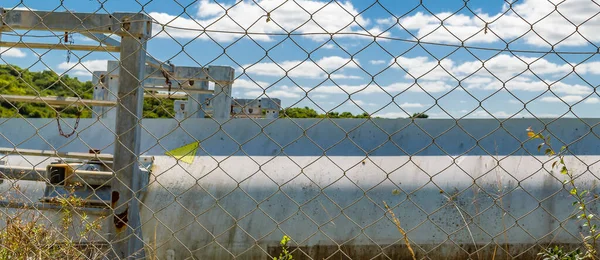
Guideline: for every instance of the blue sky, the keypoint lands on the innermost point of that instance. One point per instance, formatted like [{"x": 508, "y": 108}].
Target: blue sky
[{"x": 390, "y": 76}]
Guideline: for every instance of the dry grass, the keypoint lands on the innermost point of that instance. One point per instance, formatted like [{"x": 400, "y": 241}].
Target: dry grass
[
  {"x": 29, "y": 234},
  {"x": 401, "y": 230}
]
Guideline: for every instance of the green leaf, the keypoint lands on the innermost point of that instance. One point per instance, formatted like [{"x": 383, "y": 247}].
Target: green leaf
[
  {"x": 590, "y": 216},
  {"x": 540, "y": 147},
  {"x": 583, "y": 193},
  {"x": 564, "y": 170},
  {"x": 575, "y": 203},
  {"x": 549, "y": 152},
  {"x": 554, "y": 164},
  {"x": 395, "y": 192},
  {"x": 573, "y": 191},
  {"x": 563, "y": 148}
]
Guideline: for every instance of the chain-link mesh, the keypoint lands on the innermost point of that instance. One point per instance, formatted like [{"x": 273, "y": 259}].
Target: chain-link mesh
[{"x": 355, "y": 129}]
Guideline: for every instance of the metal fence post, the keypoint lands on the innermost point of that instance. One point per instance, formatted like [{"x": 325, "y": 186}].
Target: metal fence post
[
  {"x": 197, "y": 102},
  {"x": 125, "y": 230},
  {"x": 221, "y": 101}
]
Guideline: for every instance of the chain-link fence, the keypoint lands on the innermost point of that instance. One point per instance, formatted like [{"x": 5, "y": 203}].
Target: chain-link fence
[{"x": 305, "y": 128}]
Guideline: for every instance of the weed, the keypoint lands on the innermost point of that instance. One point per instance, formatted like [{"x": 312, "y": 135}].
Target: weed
[
  {"x": 584, "y": 214},
  {"x": 557, "y": 253},
  {"x": 26, "y": 236},
  {"x": 285, "y": 254}
]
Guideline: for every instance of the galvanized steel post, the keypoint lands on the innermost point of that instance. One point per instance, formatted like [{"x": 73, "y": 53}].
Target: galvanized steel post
[
  {"x": 197, "y": 102},
  {"x": 221, "y": 101},
  {"x": 126, "y": 234}
]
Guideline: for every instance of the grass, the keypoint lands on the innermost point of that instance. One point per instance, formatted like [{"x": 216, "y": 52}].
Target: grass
[
  {"x": 401, "y": 230},
  {"x": 28, "y": 235}
]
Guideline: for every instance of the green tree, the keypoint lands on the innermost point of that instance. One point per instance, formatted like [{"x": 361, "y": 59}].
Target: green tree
[
  {"x": 419, "y": 115},
  {"x": 17, "y": 81}
]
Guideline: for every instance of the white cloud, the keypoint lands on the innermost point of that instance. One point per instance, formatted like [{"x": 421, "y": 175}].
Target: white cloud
[
  {"x": 84, "y": 68},
  {"x": 385, "y": 21},
  {"x": 247, "y": 84},
  {"x": 329, "y": 46},
  {"x": 343, "y": 76},
  {"x": 304, "y": 69},
  {"x": 534, "y": 85},
  {"x": 391, "y": 115},
  {"x": 342, "y": 89},
  {"x": 411, "y": 105},
  {"x": 567, "y": 99},
  {"x": 497, "y": 114},
  {"x": 570, "y": 99},
  {"x": 498, "y": 68},
  {"x": 12, "y": 52},
  {"x": 360, "y": 103},
  {"x": 592, "y": 100},
  {"x": 377, "y": 62},
  {"x": 552, "y": 26},
  {"x": 301, "y": 16},
  {"x": 277, "y": 93},
  {"x": 318, "y": 96},
  {"x": 424, "y": 68}
]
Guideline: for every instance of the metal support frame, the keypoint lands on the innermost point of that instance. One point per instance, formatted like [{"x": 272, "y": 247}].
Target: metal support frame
[
  {"x": 134, "y": 30},
  {"x": 192, "y": 81},
  {"x": 127, "y": 79}
]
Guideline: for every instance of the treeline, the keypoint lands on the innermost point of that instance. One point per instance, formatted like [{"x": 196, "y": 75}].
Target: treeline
[
  {"x": 306, "y": 112},
  {"x": 18, "y": 81},
  {"x": 22, "y": 82}
]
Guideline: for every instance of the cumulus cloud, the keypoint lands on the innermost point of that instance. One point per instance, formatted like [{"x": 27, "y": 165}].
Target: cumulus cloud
[
  {"x": 315, "y": 18},
  {"x": 411, "y": 105},
  {"x": 377, "y": 62},
  {"x": 570, "y": 99},
  {"x": 272, "y": 93},
  {"x": 503, "y": 67},
  {"x": 247, "y": 84},
  {"x": 549, "y": 25},
  {"x": 12, "y": 52},
  {"x": 496, "y": 114},
  {"x": 360, "y": 103},
  {"x": 592, "y": 100},
  {"x": 84, "y": 68},
  {"x": 304, "y": 69}
]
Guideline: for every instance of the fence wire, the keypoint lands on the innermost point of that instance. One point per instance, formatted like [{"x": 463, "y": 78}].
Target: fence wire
[{"x": 319, "y": 129}]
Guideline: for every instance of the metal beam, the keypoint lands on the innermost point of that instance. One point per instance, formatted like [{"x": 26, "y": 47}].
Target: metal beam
[
  {"x": 54, "y": 101},
  {"x": 116, "y": 23},
  {"x": 181, "y": 75},
  {"x": 63, "y": 155},
  {"x": 71, "y": 101},
  {"x": 102, "y": 38},
  {"x": 184, "y": 90},
  {"x": 151, "y": 61},
  {"x": 51, "y": 206},
  {"x": 24, "y": 173},
  {"x": 60, "y": 46}
]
